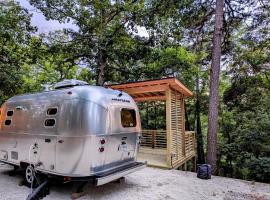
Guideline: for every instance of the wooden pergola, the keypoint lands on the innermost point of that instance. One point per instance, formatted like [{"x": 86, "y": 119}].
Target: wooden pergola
[{"x": 176, "y": 145}]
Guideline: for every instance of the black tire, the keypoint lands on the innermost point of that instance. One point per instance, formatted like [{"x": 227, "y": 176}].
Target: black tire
[{"x": 31, "y": 177}]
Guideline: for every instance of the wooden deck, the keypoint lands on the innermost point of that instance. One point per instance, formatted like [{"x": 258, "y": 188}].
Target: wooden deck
[
  {"x": 153, "y": 149},
  {"x": 174, "y": 146},
  {"x": 154, "y": 157}
]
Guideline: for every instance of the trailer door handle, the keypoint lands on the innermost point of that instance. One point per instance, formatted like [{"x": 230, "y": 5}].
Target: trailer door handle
[{"x": 48, "y": 140}]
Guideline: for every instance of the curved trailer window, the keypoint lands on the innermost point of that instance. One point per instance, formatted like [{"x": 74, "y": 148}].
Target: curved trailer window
[
  {"x": 7, "y": 122},
  {"x": 10, "y": 113},
  {"x": 49, "y": 122},
  {"x": 128, "y": 117},
  {"x": 52, "y": 111}
]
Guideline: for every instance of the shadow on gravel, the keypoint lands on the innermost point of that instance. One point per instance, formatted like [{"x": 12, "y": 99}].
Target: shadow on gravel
[
  {"x": 64, "y": 190},
  {"x": 91, "y": 192}
]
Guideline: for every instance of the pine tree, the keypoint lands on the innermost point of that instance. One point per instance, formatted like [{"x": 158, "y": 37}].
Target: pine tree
[{"x": 214, "y": 88}]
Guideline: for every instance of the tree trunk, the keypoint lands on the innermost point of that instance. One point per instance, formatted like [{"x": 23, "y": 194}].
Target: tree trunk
[
  {"x": 187, "y": 124},
  {"x": 101, "y": 63},
  {"x": 214, "y": 88},
  {"x": 199, "y": 137}
]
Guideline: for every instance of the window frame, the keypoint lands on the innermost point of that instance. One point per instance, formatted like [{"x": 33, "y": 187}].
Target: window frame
[
  {"x": 52, "y": 108},
  {"x": 8, "y": 112},
  {"x": 49, "y": 126},
  {"x": 135, "y": 117},
  {"x": 7, "y": 120}
]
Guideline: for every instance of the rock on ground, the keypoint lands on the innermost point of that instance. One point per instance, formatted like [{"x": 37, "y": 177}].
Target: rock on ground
[{"x": 150, "y": 184}]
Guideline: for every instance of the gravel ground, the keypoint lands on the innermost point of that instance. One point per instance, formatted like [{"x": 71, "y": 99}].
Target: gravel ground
[{"x": 150, "y": 184}]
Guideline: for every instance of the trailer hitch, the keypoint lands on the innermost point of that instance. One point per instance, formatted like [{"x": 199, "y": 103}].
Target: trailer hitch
[{"x": 40, "y": 192}]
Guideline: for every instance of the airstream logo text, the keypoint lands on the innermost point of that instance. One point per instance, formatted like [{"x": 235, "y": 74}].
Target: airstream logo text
[{"x": 122, "y": 100}]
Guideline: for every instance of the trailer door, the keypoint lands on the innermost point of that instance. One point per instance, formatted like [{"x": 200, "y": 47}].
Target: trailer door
[{"x": 47, "y": 152}]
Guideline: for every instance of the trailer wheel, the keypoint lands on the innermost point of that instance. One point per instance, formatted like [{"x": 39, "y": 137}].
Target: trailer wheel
[{"x": 31, "y": 178}]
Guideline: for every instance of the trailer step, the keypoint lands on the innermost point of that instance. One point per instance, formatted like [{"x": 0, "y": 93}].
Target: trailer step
[{"x": 108, "y": 177}]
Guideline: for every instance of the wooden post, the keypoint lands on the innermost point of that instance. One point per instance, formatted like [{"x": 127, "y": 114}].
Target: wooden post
[
  {"x": 194, "y": 163},
  {"x": 168, "y": 127},
  {"x": 154, "y": 138},
  {"x": 194, "y": 142},
  {"x": 185, "y": 166}
]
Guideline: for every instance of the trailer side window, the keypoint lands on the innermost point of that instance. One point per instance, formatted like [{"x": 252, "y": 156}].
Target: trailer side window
[
  {"x": 7, "y": 122},
  {"x": 49, "y": 122},
  {"x": 128, "y": 117},
  {"x": 10, "y": 113},
  {"x": 52, "y": 111}
]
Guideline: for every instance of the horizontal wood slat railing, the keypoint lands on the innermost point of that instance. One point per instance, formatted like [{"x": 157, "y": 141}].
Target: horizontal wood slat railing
[
  {"x": 190, "y": 143},
  {"x": 154, "y": 148},
  {"x": 155, "y": 139}
]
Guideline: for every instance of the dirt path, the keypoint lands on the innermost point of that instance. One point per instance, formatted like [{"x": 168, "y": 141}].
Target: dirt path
[{"x": 149, "y": 184}]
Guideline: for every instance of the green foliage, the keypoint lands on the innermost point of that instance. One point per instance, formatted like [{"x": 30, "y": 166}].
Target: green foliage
[
  {"x": 259, "y": 169},
  {"x": 50, "y": 62},
  {"x": 170, "y": 61},
  {"x": 245, "y": 142},
  {"x": 153, "y": 115},
  {"x": 15, "y": 30},
  {"x": 245, "y": 128},
  {"x": 105, "y": 33}
]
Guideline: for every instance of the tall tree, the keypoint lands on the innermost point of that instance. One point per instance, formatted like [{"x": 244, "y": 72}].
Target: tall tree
[
  {"x": 105, "y": 33},
  {"x": 214, "y": 87}
]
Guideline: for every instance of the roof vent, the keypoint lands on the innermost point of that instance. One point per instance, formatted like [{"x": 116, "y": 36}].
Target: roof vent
[
  {"x": 46, "y": 87},
  {"x": 69, "y": 83}
]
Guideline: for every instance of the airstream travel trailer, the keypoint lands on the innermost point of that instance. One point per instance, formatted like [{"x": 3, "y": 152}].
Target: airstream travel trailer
[{"x": 75, "y": 131}]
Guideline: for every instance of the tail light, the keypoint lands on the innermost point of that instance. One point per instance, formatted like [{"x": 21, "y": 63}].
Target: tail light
[{"x": 102, "y": 141}]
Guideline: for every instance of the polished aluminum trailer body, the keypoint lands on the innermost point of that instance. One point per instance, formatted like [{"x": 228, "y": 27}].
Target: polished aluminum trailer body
[{"x": 74, "y": 131}]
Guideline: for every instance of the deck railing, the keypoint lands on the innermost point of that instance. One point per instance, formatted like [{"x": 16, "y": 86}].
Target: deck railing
[
  {"x": 155, "y": 139},
  {"x": 155, "y": 151},
  {"x": 190, "y": 144}
]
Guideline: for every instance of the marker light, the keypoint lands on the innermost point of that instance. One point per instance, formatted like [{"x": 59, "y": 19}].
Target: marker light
[{"x": 66, "y": 178}]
